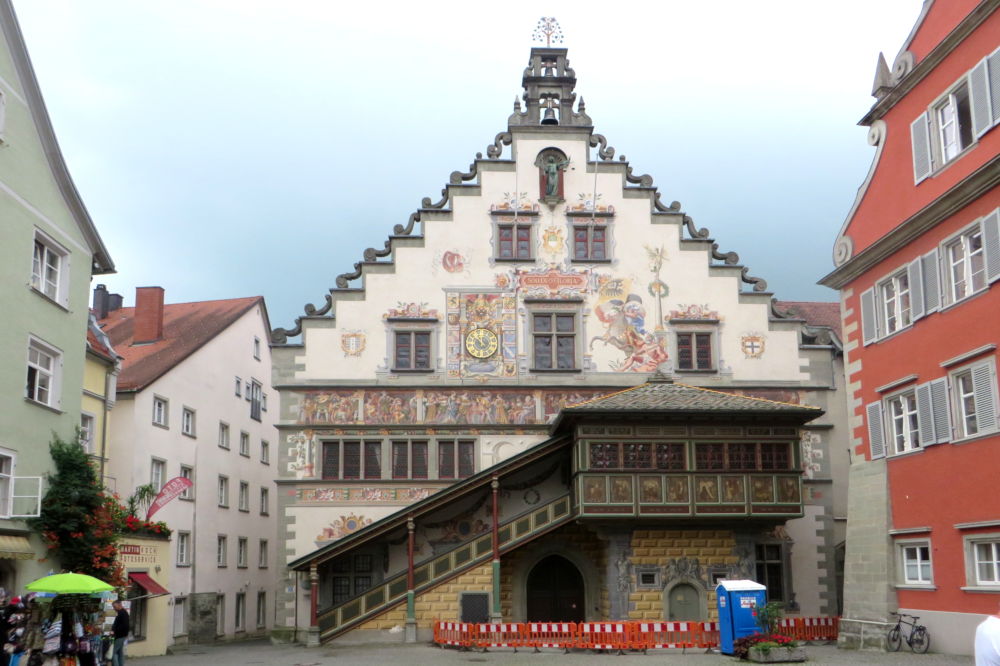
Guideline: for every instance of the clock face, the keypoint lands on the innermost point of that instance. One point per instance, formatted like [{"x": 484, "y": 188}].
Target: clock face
[{"x": 481, "y": 343}]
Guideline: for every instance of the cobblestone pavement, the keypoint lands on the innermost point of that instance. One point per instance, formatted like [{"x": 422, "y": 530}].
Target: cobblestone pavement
[{"x": 263, "y": 653}]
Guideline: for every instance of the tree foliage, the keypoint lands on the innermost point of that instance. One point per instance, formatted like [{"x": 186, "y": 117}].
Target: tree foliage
[{"x": 78, "y": 521}]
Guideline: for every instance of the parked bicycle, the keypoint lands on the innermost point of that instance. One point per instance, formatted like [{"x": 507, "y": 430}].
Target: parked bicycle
[{"x": 918, "y": 639}]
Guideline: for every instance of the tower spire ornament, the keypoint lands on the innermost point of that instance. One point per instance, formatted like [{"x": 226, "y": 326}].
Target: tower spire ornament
[{"x": 547, "y": 30}]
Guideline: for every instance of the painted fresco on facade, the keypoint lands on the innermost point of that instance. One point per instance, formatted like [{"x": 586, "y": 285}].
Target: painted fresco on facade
[
  {"x": 353, "y": 343},
  {"x": 585, "y": 204},
  {"x": 421, "y": 406},
  {"x": 368, "y": 494},
  {"x": 302, "y": 454},
  {"x": 411, "y": 311},
  {"x": 341, "y": 527},
  {"x": 695, "y": 311},
  {"x": 753, "y": 344}
]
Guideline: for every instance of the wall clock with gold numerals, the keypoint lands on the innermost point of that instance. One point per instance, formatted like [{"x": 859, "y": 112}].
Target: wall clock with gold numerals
[{"x": 481, "y": 343}]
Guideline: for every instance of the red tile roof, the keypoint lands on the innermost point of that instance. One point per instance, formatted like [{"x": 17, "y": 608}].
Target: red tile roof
[
  {"x": 186, "y": 327},
  {"x": 815, "y": 313}
]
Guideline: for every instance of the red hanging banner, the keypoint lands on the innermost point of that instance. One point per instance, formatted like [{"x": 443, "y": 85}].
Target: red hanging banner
[{"x": 170, "y": 490}]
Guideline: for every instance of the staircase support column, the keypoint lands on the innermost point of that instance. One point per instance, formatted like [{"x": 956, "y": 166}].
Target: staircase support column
[
  {"x": 312, "y": 639},
  {"x": 495, "y": 614},
  {"x": 410, "y": 630}
]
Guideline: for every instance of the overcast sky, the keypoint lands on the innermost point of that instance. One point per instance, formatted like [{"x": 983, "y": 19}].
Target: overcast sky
[{"x": 229, "y": 148}]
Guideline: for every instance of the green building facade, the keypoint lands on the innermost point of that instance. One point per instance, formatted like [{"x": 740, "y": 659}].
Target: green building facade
[{"x": 49, "y": 249}]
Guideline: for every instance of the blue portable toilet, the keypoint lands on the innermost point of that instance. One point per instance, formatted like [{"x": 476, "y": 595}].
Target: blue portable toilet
[{"x": 738, "y": 600}]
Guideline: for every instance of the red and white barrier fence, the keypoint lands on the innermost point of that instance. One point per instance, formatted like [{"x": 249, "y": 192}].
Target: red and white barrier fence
[{"x": 617, "y": 636}]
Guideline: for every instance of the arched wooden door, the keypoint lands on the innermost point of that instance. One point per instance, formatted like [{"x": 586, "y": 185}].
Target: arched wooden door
[
  {"x": 684, "y": 603},
  {"x": 555, "y": 591}
]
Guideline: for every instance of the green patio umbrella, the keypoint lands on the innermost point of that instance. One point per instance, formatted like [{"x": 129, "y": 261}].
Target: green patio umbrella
[{"x": 69, "y": 583}]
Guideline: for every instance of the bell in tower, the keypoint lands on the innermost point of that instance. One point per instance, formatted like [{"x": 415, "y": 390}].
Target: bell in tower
[{"x": 548, "y": 83}]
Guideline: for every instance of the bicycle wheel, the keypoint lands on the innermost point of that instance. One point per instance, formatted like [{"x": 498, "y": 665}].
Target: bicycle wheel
[
  {"x": 920, "y": 640},
  {"x": 894, "y": 639}
]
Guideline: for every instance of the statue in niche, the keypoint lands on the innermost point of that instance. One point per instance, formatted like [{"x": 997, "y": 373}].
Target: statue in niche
[{"x": 551, "y": 165}]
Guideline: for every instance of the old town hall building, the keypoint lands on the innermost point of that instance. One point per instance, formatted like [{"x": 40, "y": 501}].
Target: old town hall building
[{"x": 550, "y": 395}]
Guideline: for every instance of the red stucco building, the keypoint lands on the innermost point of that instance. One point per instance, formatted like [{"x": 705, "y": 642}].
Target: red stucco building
[{"x": 918, "y": 260}]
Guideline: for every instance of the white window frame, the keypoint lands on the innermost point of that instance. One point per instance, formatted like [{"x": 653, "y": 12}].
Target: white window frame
[
  {"x": 41, "y": 378},
  {"x": 265, "y": 501},
  {"x": 242, "y": 552},
  {"x": 243, "y": 497},
  {"x": 157, "y": 473},
  {"x": 183, "y": 549},
  {"x": 223, "y": 491},
  {"x": 221, "y": 548},
  {"x": 894, "y": 298},
  {"x": 188, "y": 423},
  {"x": 88, "y": 424},
  {"x": 971, "y": 544},
  {"x": 976, "y": 401},
  {"x": 223, "y": 435},
  {"x": 187, "y": 472},
  {"x": 945, "y": 150},
  {"x": 903, "y": 427},
  {"x": 9, "y": 484},
  {"x": 244, "y": 443},
  {"x": 262, "y": 558},
  {"x": 239, "y": 387},
  {"x": 914, "y": 547},
  {"x": 44, "y": 250},
  {"x": 964, "y": 264},
  {"x": 161, "y": 411},
  {"x": 255, "y": 391},
  {"x": 256, "y": 348},
  {"x": 265, "y": 452}
]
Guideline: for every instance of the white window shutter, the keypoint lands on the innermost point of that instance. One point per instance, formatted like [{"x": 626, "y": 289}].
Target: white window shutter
[
  {"x": 991, "y": 245},
  {"x": 925, "y": 415},
  {"x": 920, "y": 135},
  {"x": 869, "y": 321},
  {"x": 979, "y": 93},
  {"x": 876, "y": 438},
  {"x": 993, "y": 65},
  {"x": 932, "y": 282},
  {"x": 941, "y": 412},
  {"x": 915, "y": 278},
  {"x": 26, "y": 497},
  {"x": 985, "y": 397}
]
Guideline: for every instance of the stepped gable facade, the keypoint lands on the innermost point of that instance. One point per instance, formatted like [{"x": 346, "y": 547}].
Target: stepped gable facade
[{"x": 439, "y": 456}]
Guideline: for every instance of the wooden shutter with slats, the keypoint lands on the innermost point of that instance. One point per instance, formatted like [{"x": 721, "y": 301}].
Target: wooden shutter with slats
[
  {"x": 925, "y": 415},
  {"x": 869, "y": 322},
  {"x": 876, "y": 436},
  {"x": 979, "y": 99},
  {"x": 985, "y": 397},
  {"x": 991, "y": 245},
  {"x": 993, "y": 67},
  {"x": 915, "y": 278},
  {"x": 920, "y": 135},
  {"x": 932, "y": 282},
  {"x": 940, "y": 410}
]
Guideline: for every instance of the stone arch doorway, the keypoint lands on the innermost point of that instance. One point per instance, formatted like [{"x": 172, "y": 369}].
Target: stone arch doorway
[
  {"x": 685, "y": 600},
  {"x": 555, "y": 591}
]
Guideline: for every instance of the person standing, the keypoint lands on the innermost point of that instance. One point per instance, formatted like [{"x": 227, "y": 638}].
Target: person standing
[
  {"x": 120, "y": 631},
  {"x": 988, "y": 641}
]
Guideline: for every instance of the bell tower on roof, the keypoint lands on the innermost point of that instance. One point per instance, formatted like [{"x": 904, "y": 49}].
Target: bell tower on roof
[{"x": 549, "y": 84}]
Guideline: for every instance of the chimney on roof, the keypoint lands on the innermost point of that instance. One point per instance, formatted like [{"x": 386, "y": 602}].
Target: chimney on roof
[
  {"x": 100, "y": 301},
  {"x": 148, "y": 314},
  {"x": 104, "y": 302}
]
